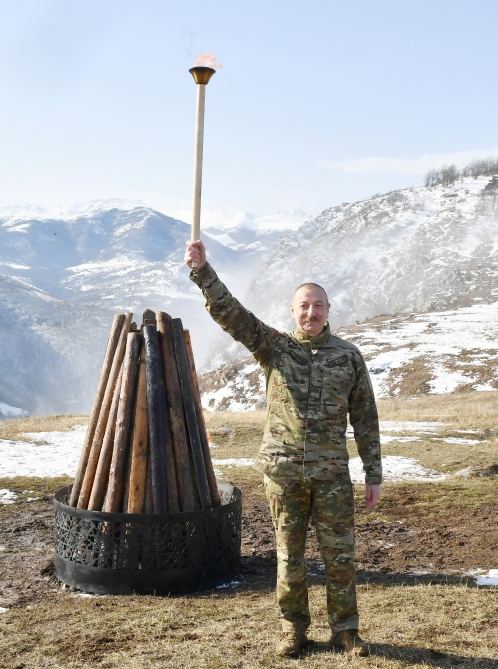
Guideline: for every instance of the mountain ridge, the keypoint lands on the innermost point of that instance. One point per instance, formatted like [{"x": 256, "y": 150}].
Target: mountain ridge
[
  {"x": 62, "y": 279},
  {"x": 414, "y": 250}
]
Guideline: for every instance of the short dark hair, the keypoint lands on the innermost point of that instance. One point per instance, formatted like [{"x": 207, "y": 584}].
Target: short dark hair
[{"x": 310, "y": 284}]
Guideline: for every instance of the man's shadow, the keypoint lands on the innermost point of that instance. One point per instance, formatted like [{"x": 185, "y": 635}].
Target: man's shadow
[
  {"x": 258, "y": 572},
  {"x": 412, "y": 655}
]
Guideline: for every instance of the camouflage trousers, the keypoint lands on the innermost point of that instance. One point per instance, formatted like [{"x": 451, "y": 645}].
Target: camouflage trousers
[{"x": 330, "y": 505}]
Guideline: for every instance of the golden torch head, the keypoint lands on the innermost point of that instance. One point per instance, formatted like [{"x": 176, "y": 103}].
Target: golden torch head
[{"x": 202, "y": 74}]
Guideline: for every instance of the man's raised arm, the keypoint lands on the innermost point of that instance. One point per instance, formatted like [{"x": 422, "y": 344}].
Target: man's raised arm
[{"x": 225, "y": 309}]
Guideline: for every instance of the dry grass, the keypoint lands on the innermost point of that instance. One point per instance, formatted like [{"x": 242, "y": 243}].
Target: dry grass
[
  {"x": 419, "y": 626},
  {"x": 235, "y": 434},
  {"x": 34, "y": 484},
  {"x": 433, "y": 453},
  {"x": 16, "y": 427},
  {"x": 477, "y": 410},
  {"x": 412, "y": 380}
]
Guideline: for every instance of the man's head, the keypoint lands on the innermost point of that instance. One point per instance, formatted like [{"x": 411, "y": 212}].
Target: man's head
[{"x": 310, "y": 309}]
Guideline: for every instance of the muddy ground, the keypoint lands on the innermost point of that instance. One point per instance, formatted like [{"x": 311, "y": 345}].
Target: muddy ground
[{"x": 400, "y": 538}]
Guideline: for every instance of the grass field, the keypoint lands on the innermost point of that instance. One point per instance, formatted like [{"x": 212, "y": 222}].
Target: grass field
[
  {"x": 430, "y": 620},
  {"x": 420, "y": 626}
]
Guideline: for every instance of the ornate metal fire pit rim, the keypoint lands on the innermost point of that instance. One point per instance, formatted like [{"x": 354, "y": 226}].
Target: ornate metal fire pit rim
[{"x": 230, "y": 495}]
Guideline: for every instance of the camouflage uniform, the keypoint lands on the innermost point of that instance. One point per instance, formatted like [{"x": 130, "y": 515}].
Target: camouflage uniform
[{"x": 312, "y": 385}]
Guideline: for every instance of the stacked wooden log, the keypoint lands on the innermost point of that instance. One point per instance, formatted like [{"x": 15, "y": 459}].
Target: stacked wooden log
[{"x": 146, "y": 447}]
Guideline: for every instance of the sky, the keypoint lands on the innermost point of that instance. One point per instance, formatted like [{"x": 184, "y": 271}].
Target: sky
[{"x": 315, "y": 104}]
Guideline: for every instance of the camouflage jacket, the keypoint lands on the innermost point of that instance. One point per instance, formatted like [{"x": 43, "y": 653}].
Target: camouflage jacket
[{"x": 311, "y": 386}]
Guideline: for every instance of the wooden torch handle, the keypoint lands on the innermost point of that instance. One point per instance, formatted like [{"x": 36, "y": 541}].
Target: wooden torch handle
[{"x": 198, "y": 154}]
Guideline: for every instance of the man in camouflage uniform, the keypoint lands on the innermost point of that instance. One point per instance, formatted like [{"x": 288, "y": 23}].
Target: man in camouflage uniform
[{"x": 314, "y": 379}]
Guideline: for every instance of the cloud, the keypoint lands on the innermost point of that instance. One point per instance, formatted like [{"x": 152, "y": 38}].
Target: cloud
[{"x": 416, "y": 166}]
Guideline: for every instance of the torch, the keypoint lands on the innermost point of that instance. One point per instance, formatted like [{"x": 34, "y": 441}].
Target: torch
[{"x": 201, "y": 74}]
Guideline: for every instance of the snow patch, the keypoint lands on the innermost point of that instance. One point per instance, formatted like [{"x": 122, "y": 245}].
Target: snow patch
[
  {"x": 387, "y": 439},
  {"x": 396, "y": 468},
  {"x": 409, "y": 426},
  {"x": 446, "y": 381},
  {"x": 7, "y": 496},
  {"x": 53, "y": 454},
  {"x": 491, "y": 578},
  {"x": 484, "y": 387},
  {"x": 456, "y": 440},
  {"x": 484, "y": 578},
  {"x": 234, "y": 462}
]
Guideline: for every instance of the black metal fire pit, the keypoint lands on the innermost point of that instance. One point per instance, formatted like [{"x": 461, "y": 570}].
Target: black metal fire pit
[{"x": 120, "y": 553}]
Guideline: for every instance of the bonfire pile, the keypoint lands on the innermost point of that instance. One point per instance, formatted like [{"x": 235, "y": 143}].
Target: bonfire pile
[{"x": 146, "y": 447}]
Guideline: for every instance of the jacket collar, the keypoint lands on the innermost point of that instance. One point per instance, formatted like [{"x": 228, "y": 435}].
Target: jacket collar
[{"x": 317, "y": 340}]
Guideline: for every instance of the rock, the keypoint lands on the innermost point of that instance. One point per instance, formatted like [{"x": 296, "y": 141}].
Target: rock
[{"x": 468, "y": 471}]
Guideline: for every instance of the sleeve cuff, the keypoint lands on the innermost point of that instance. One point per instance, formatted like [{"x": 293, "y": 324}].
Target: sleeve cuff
[
  {"x": 373, "y": 480},
  {"x": 205, "y": 273}
]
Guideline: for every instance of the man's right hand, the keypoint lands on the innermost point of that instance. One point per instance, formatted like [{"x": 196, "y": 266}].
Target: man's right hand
[{"x": 195, "y": 255}]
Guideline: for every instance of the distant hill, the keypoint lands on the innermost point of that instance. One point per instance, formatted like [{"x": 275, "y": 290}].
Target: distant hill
[{"x": 62, "y": 276}]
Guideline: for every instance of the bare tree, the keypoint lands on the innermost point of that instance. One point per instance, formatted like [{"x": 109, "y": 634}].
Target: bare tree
[{"x": 448, "y": 174}]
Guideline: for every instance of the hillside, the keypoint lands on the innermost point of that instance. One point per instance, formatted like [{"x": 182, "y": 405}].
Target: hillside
[
  {"x": 400, "y": 259},
  {"x": 411, "y": 250},
  {"x": 407, "y": 355}
]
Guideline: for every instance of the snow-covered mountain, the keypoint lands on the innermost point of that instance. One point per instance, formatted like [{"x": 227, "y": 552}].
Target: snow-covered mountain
[
  {"x": 416, "y": 249},
  {"x": 64, "y": 273},
  {"x": 52, "y": 350},
  {"x": 255, "y": 234}
]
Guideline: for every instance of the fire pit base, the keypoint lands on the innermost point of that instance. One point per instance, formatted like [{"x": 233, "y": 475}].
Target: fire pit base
[{"x": 163, "y": 554}]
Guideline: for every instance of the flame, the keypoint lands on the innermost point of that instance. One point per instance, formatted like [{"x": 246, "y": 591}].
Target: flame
[{"x": 207, "y": 60}]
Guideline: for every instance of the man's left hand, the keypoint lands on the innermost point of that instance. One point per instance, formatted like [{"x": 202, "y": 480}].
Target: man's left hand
[{"x": 372, "y": 494}]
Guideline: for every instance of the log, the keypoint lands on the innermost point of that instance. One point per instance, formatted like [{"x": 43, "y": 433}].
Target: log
[
  {"x": 190, "y": 413},
  {"x": 148, "y": 488},
  {"x": 139, "y": 448},
  {"x": 149, "y": 317},
  {"x": 101, "y": 478},
  {"x": 115, "y": 490},
  {"x": 112, "y": 344},
  {"x": 156, "y": 402},
  {"x": 213, "y": 486},
  {"x": 100, "y": 428},
  {"x": 188, "y": 497},
  {"x": 127, "y": 470}
]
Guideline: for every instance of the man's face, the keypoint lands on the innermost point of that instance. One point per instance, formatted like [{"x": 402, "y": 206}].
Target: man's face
[{"x": 310, "y": 310}]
